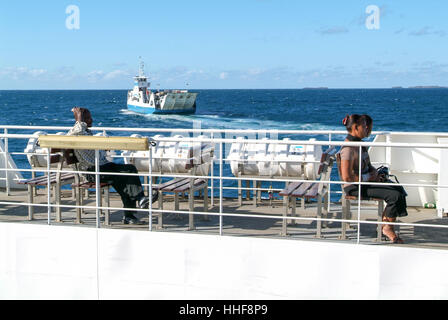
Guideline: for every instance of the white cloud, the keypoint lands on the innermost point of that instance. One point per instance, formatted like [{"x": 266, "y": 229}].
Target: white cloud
[
  {"x": 96, "y": 75},
  {"x": 116, "y": 74},
  {"x": 333, "y": 30},
  {"x": 19, "y": 73},
  {"x": 100, "y": 75},
  {"x": 369, "y": 75},
  {"x": 179, "y": 75},
  {"x": 426, "y": 31}
]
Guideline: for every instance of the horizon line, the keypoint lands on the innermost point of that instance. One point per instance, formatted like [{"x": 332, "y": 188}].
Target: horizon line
[{"x": 304, "y": 88}]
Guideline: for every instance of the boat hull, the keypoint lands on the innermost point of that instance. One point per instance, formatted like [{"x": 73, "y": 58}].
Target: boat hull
[
  {"x": 188, "y": 265},
  {"x": 146, "y": 109},
  {"x": 142, "y": 100}
]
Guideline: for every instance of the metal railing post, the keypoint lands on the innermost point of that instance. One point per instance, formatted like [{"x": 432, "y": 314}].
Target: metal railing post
[
  {"x": 212, "y": 173},
  {"x": 359, "y": 195},
  {"x": 48, "y": 186},
  {"x": 220, "y": 187},
  {"x": 150, "y": 188},
  {"x": 6, "y": 164},
  {"x": 329, "y": 185},
  {"x": 388, "y": 150},
  {"x": 97, "y": 187}
]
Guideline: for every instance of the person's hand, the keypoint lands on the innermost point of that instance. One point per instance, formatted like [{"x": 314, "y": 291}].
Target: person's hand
[
  {"x": 77, "y": 112},
  {"x": 381, "y": 177},
  {"x": 374, "y": 177}
]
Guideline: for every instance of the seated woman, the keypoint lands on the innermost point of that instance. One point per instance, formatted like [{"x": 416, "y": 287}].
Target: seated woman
[
  {"x": 128, "y": 187},
  {"x": 359, "y": 127}
]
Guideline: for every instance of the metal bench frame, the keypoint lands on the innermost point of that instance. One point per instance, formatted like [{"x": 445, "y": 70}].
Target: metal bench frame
[
  {"x": 104, "y": 190},
  {"x": 68, "y": 156},
  {"x": 310, "y": 190},
  {"x": 182, "y": 186},
  {"x": 64, "y": 158},
  {"x": 57, "y": 180},
  {"x": 179, "y": 186},
  {"x": 346, "y": 212}
]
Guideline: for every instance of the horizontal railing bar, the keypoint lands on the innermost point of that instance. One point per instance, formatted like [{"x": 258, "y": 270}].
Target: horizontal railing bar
[
  {"x": 342, "y": 132},
  {"x": 301, "y": 142},
  {"x": 281, "y": 217},
  {"x": 251, "y": 178},
  {"x": 176, "y": 158},
  {"x": 308, "y": 142}
]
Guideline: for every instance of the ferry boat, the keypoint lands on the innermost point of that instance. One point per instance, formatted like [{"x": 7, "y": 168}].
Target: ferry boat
[
  {"x": 142, "y": 99},
  {"x": 239, "y": 251}
]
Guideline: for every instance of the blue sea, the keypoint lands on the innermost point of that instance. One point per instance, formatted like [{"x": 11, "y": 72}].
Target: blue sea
[{"x": 301, "y": 109}]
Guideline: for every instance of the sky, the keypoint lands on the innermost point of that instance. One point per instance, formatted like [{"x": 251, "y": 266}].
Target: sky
[{"x": 209, "y": 44}]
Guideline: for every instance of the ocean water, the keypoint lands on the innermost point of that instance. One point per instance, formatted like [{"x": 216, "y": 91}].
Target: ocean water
[{"x": 391, "y": 109}]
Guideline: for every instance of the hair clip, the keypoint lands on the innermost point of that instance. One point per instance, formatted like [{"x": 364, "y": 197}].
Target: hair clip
[{"x": 344, "y": 121}]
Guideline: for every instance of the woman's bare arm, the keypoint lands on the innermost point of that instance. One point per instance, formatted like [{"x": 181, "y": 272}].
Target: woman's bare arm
[{"x": 347, "y": 171}]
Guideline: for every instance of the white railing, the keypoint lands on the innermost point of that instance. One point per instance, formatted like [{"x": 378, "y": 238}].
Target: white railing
[{"x": 219, "y": 158}]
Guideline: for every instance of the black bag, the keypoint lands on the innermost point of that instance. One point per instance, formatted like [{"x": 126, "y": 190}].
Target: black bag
[
  {"x": 383, "y": 173},
  {"x": 384, "y": 176}
]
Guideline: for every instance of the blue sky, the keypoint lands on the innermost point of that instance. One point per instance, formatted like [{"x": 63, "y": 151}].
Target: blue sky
[{"x": 223, "y": 44}]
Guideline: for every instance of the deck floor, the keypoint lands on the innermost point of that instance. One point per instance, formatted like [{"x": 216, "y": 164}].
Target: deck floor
[{"x": 244, "y": 225}]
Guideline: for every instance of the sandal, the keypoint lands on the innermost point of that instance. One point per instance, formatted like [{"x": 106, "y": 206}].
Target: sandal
[{"x": 395, "y": 238}]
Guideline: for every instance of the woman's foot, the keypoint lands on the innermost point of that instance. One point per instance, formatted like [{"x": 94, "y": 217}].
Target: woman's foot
[
  {"x": 398, "y": 240},
  {"x": 390, "y": 234}
]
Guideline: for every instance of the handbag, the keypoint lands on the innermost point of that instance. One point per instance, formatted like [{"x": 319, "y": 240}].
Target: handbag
[
  {"x": 384, "y": 176},
  {"x": 383, "y": 173}
]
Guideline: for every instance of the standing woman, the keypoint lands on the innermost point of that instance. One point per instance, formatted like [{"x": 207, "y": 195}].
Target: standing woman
[{"x": 359, "y": 127}]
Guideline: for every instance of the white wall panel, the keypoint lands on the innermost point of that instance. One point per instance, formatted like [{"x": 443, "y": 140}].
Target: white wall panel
[
  {"x": 56, "y": 262},
  {"x": 47, "y": 262}
]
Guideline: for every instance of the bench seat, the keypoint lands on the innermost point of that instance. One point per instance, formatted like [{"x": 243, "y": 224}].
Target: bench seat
[
  {"x": 182, "y": 185},
  {"x": 104, "y": 190},
  {"x": 310, "y": 190},
  {"x": 56, "y": 181},
  {"x": 346, "y": 213},
  {"x": 43, "y": 180}
]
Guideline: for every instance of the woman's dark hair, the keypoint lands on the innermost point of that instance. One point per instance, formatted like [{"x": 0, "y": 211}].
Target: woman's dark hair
[
  {"x": 353, "y": 119},
  {"x": 81, "y": 114},
  {"x": 368, "y": 119}
]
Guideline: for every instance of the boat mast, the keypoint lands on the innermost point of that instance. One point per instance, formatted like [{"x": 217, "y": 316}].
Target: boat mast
[
  {"x": 142, "y": 81},
  {"x": 141, "y": 70}
]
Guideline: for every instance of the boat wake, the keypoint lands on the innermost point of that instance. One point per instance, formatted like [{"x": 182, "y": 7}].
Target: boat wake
[{"x": 221, "y": 122}]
